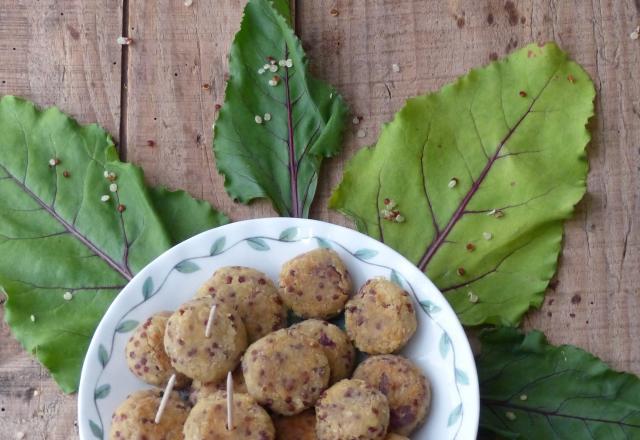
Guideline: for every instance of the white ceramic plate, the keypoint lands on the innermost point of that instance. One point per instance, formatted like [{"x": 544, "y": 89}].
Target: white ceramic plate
[{"x": 439, "y": 347}]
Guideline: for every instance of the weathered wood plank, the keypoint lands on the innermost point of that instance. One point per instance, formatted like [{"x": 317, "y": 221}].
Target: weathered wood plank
[
  {"x": 177, "y": 67},
  {"x": 61, "y": 53}
]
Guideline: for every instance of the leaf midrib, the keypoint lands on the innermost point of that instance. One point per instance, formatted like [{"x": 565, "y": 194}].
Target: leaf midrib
[
  {"x": 296, "y": 210},
  {"x": 556, "y": 413},
  {"x": 440, "y": 237},
  {"x": 123, "y": 270}
]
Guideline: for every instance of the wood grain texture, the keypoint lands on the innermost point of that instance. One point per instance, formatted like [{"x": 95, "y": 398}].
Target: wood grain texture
[
  {"x": 178, "y": 49},
  {"x": 176, "y": 76},
  {"x": 60, "y": 53}
]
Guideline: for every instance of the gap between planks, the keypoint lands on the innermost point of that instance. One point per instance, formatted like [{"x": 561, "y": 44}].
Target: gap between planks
[{"x": 124, "y": 84}]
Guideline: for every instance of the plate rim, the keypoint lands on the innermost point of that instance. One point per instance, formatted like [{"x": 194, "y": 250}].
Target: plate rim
[{"x": 277, "y": 224}]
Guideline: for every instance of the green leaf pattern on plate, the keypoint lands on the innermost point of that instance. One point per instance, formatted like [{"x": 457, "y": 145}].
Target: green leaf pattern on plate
[
  {"x": 187, "y": 266},
  {"x": 444, "y": 345},
  {"x": 102, "y": 391},
  {"x": 259, "y": 244},
  {"x": 455, "y": 415},
  {"x": 147, "y": 288},
  {"x": 365, "y": 254},
  {"x": 103, "y": 355},
  {"x": 218, "y": 246},
  {"x": 289, "y": 234},
  {"x": 126, "y": 326},
  {"x": 96, "y": 430}
]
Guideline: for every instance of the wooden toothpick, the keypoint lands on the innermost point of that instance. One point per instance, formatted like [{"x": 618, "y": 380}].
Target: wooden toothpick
[
  {"x": 229, "y": 401},
  {"x": 165, "y": 398},
  {"x": 207, "y": 330}
]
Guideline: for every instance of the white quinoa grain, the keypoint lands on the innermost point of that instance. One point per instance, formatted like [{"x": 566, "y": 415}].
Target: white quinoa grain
[
  {"x": 361, "y": 133},
  {"x": 258, "y": 119},
  {"x": 68, "y": 296},
  {"x": 105, "y": 198}
]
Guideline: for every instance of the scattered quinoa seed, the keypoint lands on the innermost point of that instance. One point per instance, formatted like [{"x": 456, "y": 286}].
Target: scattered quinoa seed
[
  {"x": 260, "y": 71},
  {"x": 399, "y": 218},
  {"x": 635, "y": 34},
  {"x": 105, "y": 198},
  {"x": 258, "y": 119},
  {"x": 509, "y": 415},
  {"x": 124, "y": 41},
  {"x": 473, "y": 298},
  {"x": 571, "y": 79},
  {"x": 54, "y": 161},
  {"x": 282, "y": 63},
  {"x": 217, "y": 106},
  {"x": 121, "y": 208},
  {"x": 334, "y": 12},
  {"x": 361, "y": 133},
  {"x": 523, "y": 93},
  {"x": 36, "y": 393},
  {"x": 499, "y": 213},
  {"x": 267, "y": 116},
  {"x": 523, "y": 397},
  {"x": 355, "y": 120},
  {"x": 461, "y": 271},
  {"x": 65, "y": 173},
  {"x": 68, "y": 296},
  {"x": 395, "y": 67},
  {"x": 113, "y": 187},
  {"x": 188, "y": 3},
  {"x": 33, "y": 318},
  {"x": 492, "y": 212},
  {"x": 19, "y": 435},
  {"x": 151, "y": 143},
  {"x": 106, "y": 174},
  {"x": 273, "y": 68},
  {"x": 289, "y": 63},
  {"x": 487, "y": 235},
  {"x": 471, "y": 247},
  {"x": 266, "y": 67},
  {"x": 453, "y": 182}
]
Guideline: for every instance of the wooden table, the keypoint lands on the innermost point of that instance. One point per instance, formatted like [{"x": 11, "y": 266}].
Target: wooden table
[{"x": 165, "y": 85}]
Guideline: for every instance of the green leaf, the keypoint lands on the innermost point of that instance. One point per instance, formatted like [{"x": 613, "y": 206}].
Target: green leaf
[
  {"x": 365, "y": 254},
  {"x": 395, "y": 277},
  {"x": 96, "y": 430},
  {"x": 103, "y": 355},
  {"x": 187, "y": 266},
  {"x": 323, "y": 243},
  {"x": 182, "y": 215},
  {"x": 57, "y": 236},
  {"x": 147, "y": 288},
  {"x": 461, "y": 377},
  {"x": 532, "y": 390},
  {"x": 278, "y": 159},
  {"x": 496, "y": 160},
  {"x": 126, "y": 326},
  {"x": 102, "y": 391},
  {"x": 444, "y": 345},
  {"x": 454, "y": 416},
  {"x": 258, "y": 244},
  {"x": 218, "y": 246},
  {"x": 429, "y": 307},
  {"x": 289, "y": 234}
]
